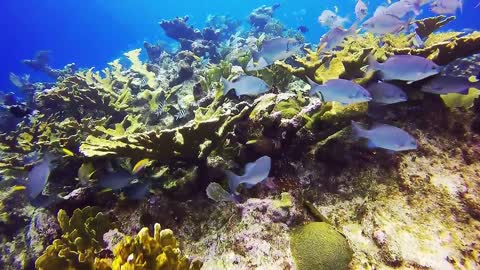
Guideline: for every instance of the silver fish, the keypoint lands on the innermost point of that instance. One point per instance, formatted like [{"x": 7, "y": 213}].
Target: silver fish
[
  {"x": 245, "y": 85},
  {"x": 448, "y": 84},
  {"x": 340, "y": 90},
  {"x": 330, "y": 19},
  {"x": 408, "y": 68},
  {"x": 446, "y": 6},
  {"x": 403, "y": 7},
  {"x": 217, "y": 193},
  {"x": 116, "y": 180},
  {"x": 385, "y": 23},
  {"x": 384, "y": 93},
  {"x": 137, "y": 191},
  {"x": 273, "y": 50},
  {"x": 385, "y": 137},
  {"x": 38, "y": 176},
  {"x": 255, "y": 173},
  {"x": 335, "y": 37},
  {"x": 361, "y": 10}
]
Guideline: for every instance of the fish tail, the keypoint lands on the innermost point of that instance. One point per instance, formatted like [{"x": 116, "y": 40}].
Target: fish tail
[
  {"x": 226, "y": 85},
  {"x": 233, "y": 181},
  {"x": 357, "y": 130},
  {"x": 313, "y": 85},
  {"x": 373, "y": 65}
]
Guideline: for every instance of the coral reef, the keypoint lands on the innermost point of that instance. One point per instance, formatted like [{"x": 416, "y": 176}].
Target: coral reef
[
  {"x": 329, "y": 201},
  {"x": 80, "y": 242},
  {"x": 146, "y": 252}
]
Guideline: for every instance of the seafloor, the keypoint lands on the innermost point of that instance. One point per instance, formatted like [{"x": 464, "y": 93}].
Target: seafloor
[{"x": 329, "y": 201}]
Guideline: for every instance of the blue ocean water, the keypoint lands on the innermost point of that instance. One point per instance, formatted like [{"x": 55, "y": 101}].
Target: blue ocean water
[{"x": 93, "y": 33}]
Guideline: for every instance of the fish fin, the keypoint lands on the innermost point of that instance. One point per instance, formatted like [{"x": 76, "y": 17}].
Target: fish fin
[
  {"x": 262, "y": 62},
  {"x": 464, "y": 91},
  {"x": 372, "y": 63},
  {"x": 226, "y": 85},
  {"x": 371, "y": 145},
  {"x": 233, "y": 181},
  {"x": 311, "y": 82},
  {"x": 357, "y": 130}
]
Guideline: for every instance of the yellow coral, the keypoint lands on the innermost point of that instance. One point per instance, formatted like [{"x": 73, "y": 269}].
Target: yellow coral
[
  {"x": 143, "y": 252},
  {"x": 81, "y": 240},
  {"x": 141, "y": 68}
]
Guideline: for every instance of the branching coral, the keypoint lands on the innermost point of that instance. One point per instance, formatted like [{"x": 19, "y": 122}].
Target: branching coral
[
  {"x": 429, "y": 25},
  {"x": 445, "y": 52},
  {"x": 80, "y": 242},
  {"x": 144, "y": 252},
  {"x": 191, "y": 142},
  {"x": 81, "y": 95}
]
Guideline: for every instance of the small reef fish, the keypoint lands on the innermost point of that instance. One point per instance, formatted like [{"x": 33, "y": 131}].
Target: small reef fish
[
  {"x": 245, "y": 85},
  {"x": 140, "y": 165},
  {"x": 137, "y": 191},
  {"x": 85, "y": 172},
  {"x": 67, "y": 152},
  {"x": 448, "y": 84},
  {"x": 116, "y": 180},
  {"x": 385, "y": 137},
  {"x": 273, "y": 50},
  {"x": 446, "y": 6},
  {"x": 335, "y": 37},
  {"x": 381, "y": 24},
  {"x": 217, "y": 193},
  {"x": 408, "y": 68},
  {"x": 385, "y": 93},
  {"x": 38, "y": 176},
  {"x": 303, "y": 29},
  {"x": 255, "y": 173},
  {"x": 340, "y": 90},
  {"x": 361, "y": 10},
  {"x": 330, "y": 19},
  {"x": 401, "y": 8}
]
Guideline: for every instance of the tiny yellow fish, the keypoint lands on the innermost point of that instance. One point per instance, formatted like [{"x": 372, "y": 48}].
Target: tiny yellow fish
[
  {"x": 196, "y": 57},
  {"x": 142, "y": 164},
  {"x": 67, "y": 152},
  {"x": 85, "y": 172},
  {"x": 18, "y": 188}
]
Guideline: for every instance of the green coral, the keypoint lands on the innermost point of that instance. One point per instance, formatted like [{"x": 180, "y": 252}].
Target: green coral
[
  {"x": 81, "y": 240},
  {"x": 334, "y": 114},
  {"x": 318, "y": 246},
  {"x": 144, "y": 252}
]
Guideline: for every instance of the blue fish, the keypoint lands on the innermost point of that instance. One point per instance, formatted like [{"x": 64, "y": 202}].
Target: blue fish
[
  {"x": 246, "y": 85},
  {"x": 340, "y": 90},
  {"x": 273, "y": 50},
  {"x": 116, "y": 180},
  {"x": 408, "y": 68},
  {"x": 384, "y": 93},
  {"x": 385, "y": 137},
  {"x": 38, "y": 176},
  {"x": 255, "y": 173},
  {"x": 137, "y": 191}
]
